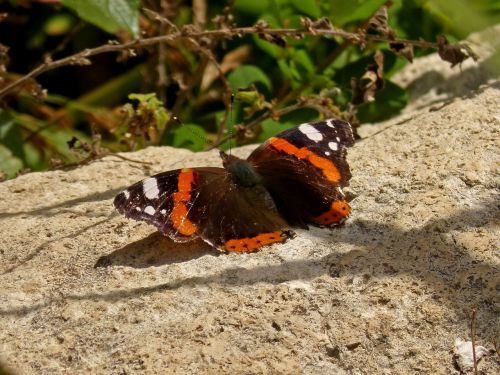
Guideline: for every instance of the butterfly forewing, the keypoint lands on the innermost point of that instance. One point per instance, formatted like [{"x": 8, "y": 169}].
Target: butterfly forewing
[
  {"x": 151, "y": 200},
  {"x": 328, "y": 139},
  {"x": 304, "y": 169},
  {"x": 207, "y": 203}
]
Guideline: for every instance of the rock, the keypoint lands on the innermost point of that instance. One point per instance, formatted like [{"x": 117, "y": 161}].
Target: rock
[{"x": 416, "y": 256}]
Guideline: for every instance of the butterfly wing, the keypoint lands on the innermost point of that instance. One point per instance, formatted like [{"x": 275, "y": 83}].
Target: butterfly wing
[
  {"x": 304, "y": 169},
  {"x": 237, "y": 218},
  {"x": 164, "y": 200},
  {"x": 207, "y": 203}
]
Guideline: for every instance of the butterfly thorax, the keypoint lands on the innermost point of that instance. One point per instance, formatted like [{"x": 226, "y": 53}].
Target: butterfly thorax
[{"x": 240, "y": 170}]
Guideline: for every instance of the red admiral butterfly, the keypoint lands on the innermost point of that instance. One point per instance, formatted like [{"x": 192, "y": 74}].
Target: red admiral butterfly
[{"x": 293, "y": 179}]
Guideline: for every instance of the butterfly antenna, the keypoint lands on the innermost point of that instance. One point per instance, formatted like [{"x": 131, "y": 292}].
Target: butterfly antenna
[
  {"x": 231, "y": 120},
  {"x": 204, "y": 139}
]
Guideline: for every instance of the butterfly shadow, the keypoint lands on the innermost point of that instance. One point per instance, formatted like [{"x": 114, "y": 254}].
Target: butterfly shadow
[
  {"x": 381, "y": 250},
  {"x": 153, "y": 251}
]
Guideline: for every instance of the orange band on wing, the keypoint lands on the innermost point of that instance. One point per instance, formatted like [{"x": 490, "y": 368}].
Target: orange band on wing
[
  {"x": 339, "y": 210},
  {"x": 179, "y": 213},
  {"x": 327, "y": 167},
  {"x": 249, "y": 244}
]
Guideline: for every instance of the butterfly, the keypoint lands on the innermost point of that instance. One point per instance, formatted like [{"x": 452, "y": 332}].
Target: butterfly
[{"x": 294, "y": 179}]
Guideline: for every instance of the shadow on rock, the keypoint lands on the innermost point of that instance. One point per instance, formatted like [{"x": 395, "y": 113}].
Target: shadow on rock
[
  {"x": 44, "y": 245},
  {"x": 428, "y": 253},
  {"x": 154, "y": 250},
  {"x": 468, "y": 85},
  {"x": 55, "y": 209}
]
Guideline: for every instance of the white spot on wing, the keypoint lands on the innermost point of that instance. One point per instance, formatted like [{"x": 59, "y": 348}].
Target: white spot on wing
[
  {"x": 327, "y": 153},
  {"x": 138, "y": 208},
  {"x": 338, "y": 139},
  {"x": 126, "y": 193},
  {"x": 150, "y": 187},
  {"x": 330, "y": 123},
  {"x": 333, "y": 145},
  {"x": 311, "y": 132},
  {"x": 150, "y": 210},
  {"x": 163, "y": 212}
]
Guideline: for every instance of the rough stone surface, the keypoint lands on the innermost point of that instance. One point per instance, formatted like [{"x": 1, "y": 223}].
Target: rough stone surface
[{"x": 84, "y": 290}]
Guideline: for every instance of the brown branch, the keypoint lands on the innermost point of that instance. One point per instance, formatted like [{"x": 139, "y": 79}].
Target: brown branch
[
  {"x": 225, "y": 82},
  {"x": 158, "y": 17},
  {"x": 161, "y": 68},
  {"x": 82, "y": 57},
  {"x": 61, "y": 46},
  {"x": 93, "y": 158},
  {"x": 200, "y": 13},
  {"x": 264, "y": 116}
]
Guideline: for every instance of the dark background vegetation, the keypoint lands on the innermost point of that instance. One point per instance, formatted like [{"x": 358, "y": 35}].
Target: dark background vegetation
[{"x": 128, "y": 100}]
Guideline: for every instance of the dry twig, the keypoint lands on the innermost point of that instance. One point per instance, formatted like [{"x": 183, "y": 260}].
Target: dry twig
[
  {"x": 473, "y": 339},
  {"x": 82, "y": 57}
]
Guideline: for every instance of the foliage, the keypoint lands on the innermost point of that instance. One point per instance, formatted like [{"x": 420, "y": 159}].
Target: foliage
[
  {"x": 336, "y": 59},
  {"x": 110, "y": 15}
]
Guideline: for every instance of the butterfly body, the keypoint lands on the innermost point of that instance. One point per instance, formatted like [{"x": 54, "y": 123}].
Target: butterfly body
[
  {"x": 241, "y": 171},
  {"x": 293, "y": 179}
]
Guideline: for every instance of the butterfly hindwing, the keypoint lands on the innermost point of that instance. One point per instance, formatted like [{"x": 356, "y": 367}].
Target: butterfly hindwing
[{"x": 234, "y": 217}]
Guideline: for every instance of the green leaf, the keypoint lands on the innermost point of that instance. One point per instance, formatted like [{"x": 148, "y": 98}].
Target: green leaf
[
  {"x": 320, "y": 81},
  {"x": 301, "y": 58},
  {"x": 301, "y": 66},
  {"x": 59, "y": 24},
  {"x": 270, "y": 48},
  {"x": 388, "y": 102},
  {"x": 10, "y": 134},
  {"x": 149, "y": 98},
  {"x": 109, "y": 15},
  {"x": 271, "y": 127},
  {"x": 307, "y": 7},
  {"x": 190, "y": 136},
  {"x": 285, "y": 69},
  {"x": 57, "y": 140},
  {"x": 342, "y": 12},
  {"x": 34, "y": 159},
  {"x": 245, "y": 75},
  {"x": 150, "y": 102},
  {"x": 251, "y": 7},
  {"x": 9, "y": 164}
]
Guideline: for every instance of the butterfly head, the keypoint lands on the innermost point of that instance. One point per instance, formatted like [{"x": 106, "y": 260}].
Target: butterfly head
[{"x": 240, "y": 170}]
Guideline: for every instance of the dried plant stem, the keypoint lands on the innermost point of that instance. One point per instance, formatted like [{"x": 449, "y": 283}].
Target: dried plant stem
[
  {"x": 264, "y": 116},
  {"x": 82, "y": 57},
  {"x": 473, "y": 339},
  {"x": 162, "y": 69}
]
